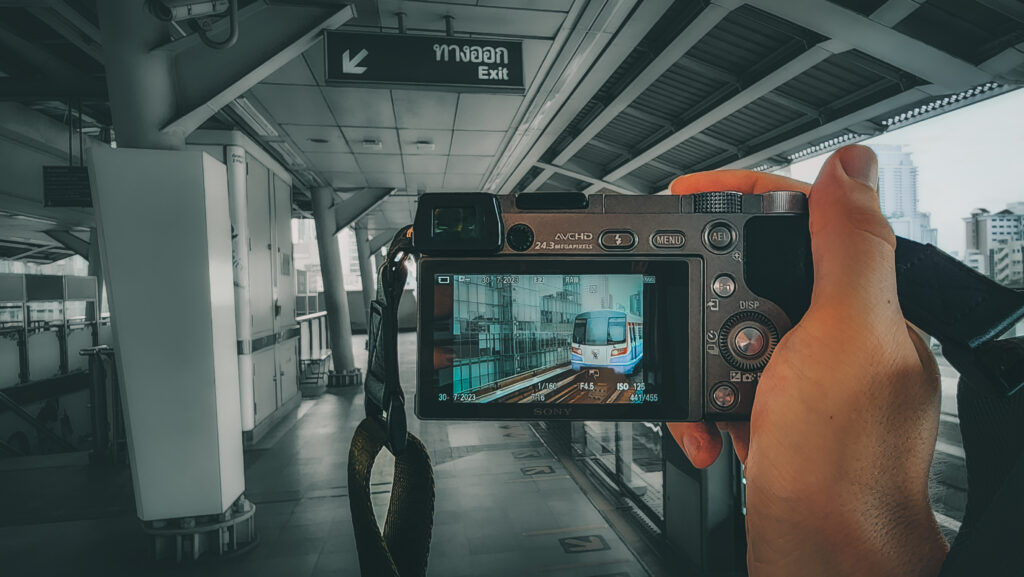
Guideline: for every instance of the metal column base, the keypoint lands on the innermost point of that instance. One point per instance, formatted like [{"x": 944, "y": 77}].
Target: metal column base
[
  {"x": 189, "y": 538},
  {"x": 345, "y": 378}
]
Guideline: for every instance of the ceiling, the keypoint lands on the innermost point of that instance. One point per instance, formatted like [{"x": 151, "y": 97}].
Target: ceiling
[
  {"x": 414, "y": 140},
  {"x": 621, "y": 95}
]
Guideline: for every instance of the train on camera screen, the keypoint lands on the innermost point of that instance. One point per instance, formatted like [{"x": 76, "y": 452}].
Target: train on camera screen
[{"x": 607, "y": 340}]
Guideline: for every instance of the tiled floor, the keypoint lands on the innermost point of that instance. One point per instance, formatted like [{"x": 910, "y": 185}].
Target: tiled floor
[{"x": 504, "y": 506}]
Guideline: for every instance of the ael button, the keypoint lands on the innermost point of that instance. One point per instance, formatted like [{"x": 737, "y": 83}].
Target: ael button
[
  {"x": 617, "y": 240},
  {"x": 719, "y": 237}
]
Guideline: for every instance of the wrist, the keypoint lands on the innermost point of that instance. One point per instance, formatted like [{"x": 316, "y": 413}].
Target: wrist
[{"x": 880, "y": 540}]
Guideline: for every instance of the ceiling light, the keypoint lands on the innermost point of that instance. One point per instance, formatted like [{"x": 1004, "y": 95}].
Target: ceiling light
[
  {"x": 252, "y": 117},
  {"x": 318, "y": 140},
  {"x": 425, "y": 145},
  {"x": 372, "y": 144},
  {"x": 289, "y": 154}
]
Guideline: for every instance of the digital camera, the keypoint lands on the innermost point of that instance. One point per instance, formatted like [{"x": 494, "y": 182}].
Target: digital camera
[{"x": 607, "y": 307}]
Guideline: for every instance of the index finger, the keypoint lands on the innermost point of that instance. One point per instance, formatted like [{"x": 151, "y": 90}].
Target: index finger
[{"x": 745, "y": 181}]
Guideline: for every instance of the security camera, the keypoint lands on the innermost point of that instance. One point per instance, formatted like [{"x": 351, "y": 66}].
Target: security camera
[{"x": 178, "y": 10}]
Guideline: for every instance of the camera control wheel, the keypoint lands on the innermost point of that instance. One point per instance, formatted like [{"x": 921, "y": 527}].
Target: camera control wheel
[
  {"x": 718, "y": 202},
  {"x": 747, "y": 340}
]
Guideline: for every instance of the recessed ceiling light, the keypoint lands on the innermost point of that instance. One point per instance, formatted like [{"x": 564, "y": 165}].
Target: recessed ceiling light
[
  {"x": 424, "y": 145},
  {"x": 372, "y": 144},
  {"x": 319, "y": 140}
]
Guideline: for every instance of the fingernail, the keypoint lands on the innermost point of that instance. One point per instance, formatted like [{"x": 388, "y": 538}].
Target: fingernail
[{"x": 859, "y": 163}]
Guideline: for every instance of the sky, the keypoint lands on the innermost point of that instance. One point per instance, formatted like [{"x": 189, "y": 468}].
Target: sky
[{"x": 969, "y": 158}]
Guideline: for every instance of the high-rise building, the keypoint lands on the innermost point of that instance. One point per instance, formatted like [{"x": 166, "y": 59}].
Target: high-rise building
[
  {"x": 993, "y": 239},
  {"x": 897, "y": 190},
  {"x": 1008, "y": 263}
]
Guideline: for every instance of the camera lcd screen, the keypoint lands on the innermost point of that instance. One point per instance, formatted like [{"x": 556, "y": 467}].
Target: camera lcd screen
[{"x": 558, "y": 338}]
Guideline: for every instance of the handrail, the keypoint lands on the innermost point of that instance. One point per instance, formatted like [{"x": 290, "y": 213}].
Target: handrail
[
  {"x": 310, "y": 316},
  {"x": 38, "y": 426}
]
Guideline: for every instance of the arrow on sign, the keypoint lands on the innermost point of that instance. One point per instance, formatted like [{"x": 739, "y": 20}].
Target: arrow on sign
[
  {"x": 583, "y": 544},
  {"x": 350, "y": 65}
]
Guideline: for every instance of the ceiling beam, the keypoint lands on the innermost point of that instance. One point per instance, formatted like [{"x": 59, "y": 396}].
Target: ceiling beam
[
  {"x": 39, "y": 58},
  {"x": 701, "y": 25},
  {"x": 382, "y": 239},
  {"x": 897, "y": 102},
  {"x": 575, "y": 170},
  {"x": 878, "y": 40},
  {"x": 790, "y": 102},
  {"x": 539, "y": 180},
  {"x": 45, "y": 248},
  {"x": 590, "y": 81},
  {"x": 622, "y": 150},
  {"x": 72, "y": 26},
  {"x": 358, "y": 204},
  {"x": 207, "y": 80},
  {"x": 70, "y": 241},
  {"x": 894, "y": 11},
  {"x": 709, "y": 70},
  {"x": 1007, "y": 66},
  {"x": 773, "y": 80}
]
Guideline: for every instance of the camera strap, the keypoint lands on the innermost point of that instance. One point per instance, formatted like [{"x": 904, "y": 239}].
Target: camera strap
[{"x": 403, "y": 548}]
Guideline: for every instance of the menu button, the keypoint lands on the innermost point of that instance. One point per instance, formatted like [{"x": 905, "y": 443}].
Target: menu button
[{"x": 667, "y": 239}]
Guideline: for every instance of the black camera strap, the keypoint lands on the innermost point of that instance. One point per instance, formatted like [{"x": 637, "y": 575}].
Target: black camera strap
[
  {"x": 965, "y": 311},
  {"x": 403, "y": 548}
]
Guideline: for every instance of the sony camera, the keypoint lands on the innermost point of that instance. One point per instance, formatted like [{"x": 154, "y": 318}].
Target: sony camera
[{"x": 607, "y": 307}]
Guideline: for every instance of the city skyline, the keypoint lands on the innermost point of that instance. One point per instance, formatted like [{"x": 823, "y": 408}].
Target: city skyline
[{"x": 966, "y": 159}]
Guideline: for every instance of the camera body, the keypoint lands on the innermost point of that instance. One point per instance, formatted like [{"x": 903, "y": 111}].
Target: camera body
[{"x": 607, "y": 307}]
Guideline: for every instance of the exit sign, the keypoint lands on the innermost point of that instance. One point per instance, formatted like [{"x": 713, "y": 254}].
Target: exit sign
[{"x": 426, "y": 62}]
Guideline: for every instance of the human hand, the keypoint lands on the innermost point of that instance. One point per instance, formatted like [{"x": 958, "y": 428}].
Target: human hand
[{"x": 843, "y": 426}]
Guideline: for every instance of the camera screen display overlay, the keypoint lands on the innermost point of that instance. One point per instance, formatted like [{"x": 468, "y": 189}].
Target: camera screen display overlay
[{"x": 502, "y": 338}]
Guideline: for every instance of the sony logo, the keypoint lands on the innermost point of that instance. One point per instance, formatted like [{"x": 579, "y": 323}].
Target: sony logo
[
  {"x": 551, "y": 412},
  {"x": 574, "y": 236}
]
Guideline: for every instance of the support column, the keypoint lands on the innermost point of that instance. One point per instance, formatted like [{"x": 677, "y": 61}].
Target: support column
[
  {"x": 95, "y": 312},
  {"x": 140, "y": 79},
  {"x": 339, "y": 325},
  {"x": 366, "y": 268}
]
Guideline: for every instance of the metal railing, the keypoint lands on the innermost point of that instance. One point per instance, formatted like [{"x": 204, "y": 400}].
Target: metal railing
[{"x": 314, "y": 349}]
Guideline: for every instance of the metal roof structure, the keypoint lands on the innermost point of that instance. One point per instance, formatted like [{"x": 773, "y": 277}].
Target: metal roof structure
[{"x": 620, "y": 95}]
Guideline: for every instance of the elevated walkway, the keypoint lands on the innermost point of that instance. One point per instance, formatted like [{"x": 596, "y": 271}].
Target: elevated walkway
[{"x": 505, "y": 505}]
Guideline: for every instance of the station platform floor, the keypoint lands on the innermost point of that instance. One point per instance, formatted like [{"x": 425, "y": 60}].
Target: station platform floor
[{"x": 505, "y": 506}]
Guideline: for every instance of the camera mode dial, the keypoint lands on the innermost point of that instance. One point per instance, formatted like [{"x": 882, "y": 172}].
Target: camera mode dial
[
  {"x": 717, "y": 202},
  {"x": 747, "y": 340}
]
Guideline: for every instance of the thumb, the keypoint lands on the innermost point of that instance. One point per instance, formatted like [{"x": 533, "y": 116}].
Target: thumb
[{"x": 852, "y": 244}]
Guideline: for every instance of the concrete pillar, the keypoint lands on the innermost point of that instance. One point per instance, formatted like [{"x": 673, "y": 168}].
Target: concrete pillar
[
  {"x": 378, "y": 259},
  {"x": 339, "y": 324},
  {"x": 366, "y": 268},
  {"x": 140, "y": 78}
]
